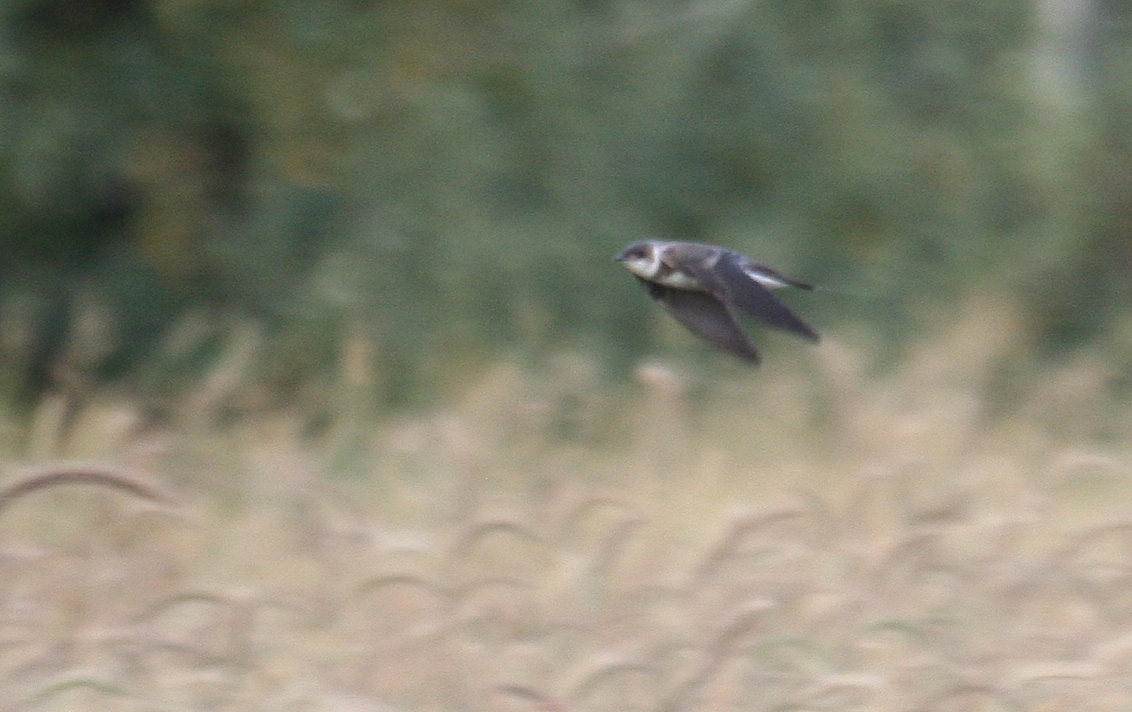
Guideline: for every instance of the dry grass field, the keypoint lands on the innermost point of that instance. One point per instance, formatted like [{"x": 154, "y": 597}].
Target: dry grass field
[{"x": 950, "y": 533}]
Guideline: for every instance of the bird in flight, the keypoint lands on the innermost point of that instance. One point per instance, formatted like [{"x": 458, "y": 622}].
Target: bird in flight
[{"x": 703, "y": 285}]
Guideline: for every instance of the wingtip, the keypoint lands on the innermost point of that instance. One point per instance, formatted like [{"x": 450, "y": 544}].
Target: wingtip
[{"x": 750, "y": 356}]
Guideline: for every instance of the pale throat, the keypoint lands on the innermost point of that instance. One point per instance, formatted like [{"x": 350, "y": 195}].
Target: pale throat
[{"x": 656, "y": 270}]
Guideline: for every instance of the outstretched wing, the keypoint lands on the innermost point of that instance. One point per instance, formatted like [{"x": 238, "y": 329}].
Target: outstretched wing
[
  {"x": 728, "y": 281},
  {"x": 706, "y": 316}
]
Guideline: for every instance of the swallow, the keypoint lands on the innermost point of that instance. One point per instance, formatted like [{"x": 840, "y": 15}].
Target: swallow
[{"x": 702, "y": 286}]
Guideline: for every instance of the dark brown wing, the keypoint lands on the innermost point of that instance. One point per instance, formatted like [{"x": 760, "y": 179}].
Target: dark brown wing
[
  {"x": 706, "y": 316},
  {"x": 727, "y": 280}
]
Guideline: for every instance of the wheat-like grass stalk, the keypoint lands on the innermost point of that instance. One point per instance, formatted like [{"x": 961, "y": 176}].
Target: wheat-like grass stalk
[
  {"x": 609, "y": 673},
  {"x": 103, "y": 476},
  {"x": 834, "y": 691},
  {"x": 911, "y": 562},
  {"x": 463, "y": 595},
  {"x": 230, "y": 619},
  {"x": 467, "y": 544},
  {"x": 478, "y": 532},
  {"x": 1115, "y": 654},
  {"x": 575, "y": 519},
  {"x": 67, "y": 682},
  {"x": 718, "y": 652},
  {"x": 824, "y": 519},
  {"x": 530, "y": 696},
  {"x": 740, "y": 529},
  {"x": 613, "y": 547},
  {"x": 1052, "y": 671},
  {"x": 375, "y": 585},
  {"x": 1079, "y": 546},
  {"x": 965, "y": 697}
]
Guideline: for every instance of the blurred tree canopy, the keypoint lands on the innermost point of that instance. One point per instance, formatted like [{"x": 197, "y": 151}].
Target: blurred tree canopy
[{"x": 450, "y": 178}]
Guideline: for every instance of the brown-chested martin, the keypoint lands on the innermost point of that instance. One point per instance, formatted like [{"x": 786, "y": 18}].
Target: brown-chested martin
[{"x": 701, "y": 285}]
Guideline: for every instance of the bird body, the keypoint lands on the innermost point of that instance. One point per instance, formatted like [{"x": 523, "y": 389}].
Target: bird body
[{"x": 701, "y": 286}]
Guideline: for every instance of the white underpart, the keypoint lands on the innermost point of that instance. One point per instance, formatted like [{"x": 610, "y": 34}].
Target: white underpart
[
  {"x": 676, "y": 279},
  {"x": 644, "y": 267},
  {"x": 679, "y": 280},
  {"x": 766, "y": 280}
]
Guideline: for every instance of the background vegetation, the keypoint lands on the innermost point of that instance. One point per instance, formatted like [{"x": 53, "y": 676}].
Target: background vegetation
[
  {"x": 321, "y": 391},
  {"x": 450, "y": 178}
]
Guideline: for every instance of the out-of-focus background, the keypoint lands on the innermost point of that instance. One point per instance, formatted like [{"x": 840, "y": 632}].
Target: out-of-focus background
[{"x": 320, "y": 389}]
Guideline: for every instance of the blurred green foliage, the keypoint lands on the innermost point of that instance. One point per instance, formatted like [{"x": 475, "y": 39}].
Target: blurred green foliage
[{"x": 452, "y": 177}]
